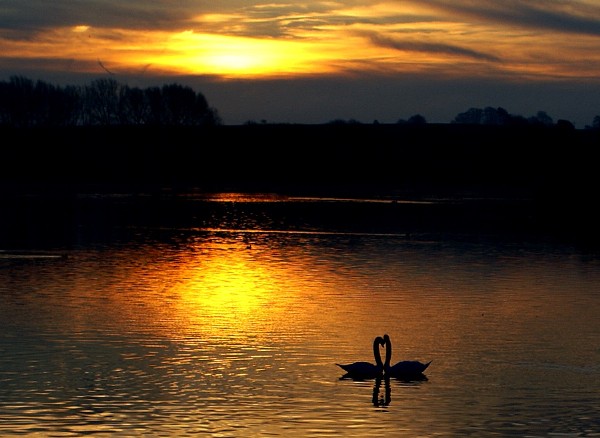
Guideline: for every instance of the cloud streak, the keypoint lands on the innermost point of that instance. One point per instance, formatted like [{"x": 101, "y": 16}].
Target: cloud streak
[
  {"x": 579, "y": 17},
  {"x": 432, "y": 48}
]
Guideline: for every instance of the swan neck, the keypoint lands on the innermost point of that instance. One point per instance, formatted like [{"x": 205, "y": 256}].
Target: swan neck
[
  {"x": 388, "y": 352},
  {"x": 376, "y": 352}
]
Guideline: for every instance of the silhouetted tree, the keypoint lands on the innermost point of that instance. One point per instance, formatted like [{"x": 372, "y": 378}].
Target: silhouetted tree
[
  {"x": 178, "y": 105},
  {"x": 472, "y": 116},
  {"x": 17, "y": 102},
  {"x": 499, "y": 116},
  {"x": 24, "y": 103},
  {"x": 564, "y": 124},
  {"x": 182, "y": 106},
  {"x": 541, "y": 118},
  {"x": 344, "y": 122},
  {"x": 133, "y": 106},
  {"x": 102, "y": 102},
  {"x": 416, "y": 119},
  {"x": 517, "y": 120},
  {"x": 154, "y": 101}
]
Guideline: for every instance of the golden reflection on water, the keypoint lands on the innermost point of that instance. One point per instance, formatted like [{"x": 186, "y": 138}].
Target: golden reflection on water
[
  {"x": 221, "y": 288},
  {"x": 227, "y": 289},
  {"x": 220, "y": 328}
]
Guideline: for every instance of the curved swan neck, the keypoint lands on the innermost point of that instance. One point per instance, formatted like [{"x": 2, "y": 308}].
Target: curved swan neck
[
  {"x": 376, "y": 343},
  {"x": 388, "y": 351}
]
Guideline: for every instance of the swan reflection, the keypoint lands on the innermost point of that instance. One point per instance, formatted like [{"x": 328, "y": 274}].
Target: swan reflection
[{"x": 381, "y": 400}]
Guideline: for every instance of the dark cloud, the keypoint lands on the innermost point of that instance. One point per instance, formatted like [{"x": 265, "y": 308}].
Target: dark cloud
[
  {"x": 421, "y": 46},
  {"x": 136, "y": 14},
  {"x": 29, "y": 15},
  {"x": 32, "y": 15},
  {"x": 556, "y": 15}
]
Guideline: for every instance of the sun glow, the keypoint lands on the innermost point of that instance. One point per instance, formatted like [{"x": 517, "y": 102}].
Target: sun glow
[
  {"x": 239, "y": 56},
  {"x": 81, "y": 28}
]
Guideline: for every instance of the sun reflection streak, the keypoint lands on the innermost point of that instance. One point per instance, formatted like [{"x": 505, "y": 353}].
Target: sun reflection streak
[
  {"x": 227, "y": 291},
  {"x": 226, "y": 286}
]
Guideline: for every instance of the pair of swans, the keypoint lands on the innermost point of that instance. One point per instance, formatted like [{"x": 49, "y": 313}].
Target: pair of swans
[{"x": 367, "y": 370}]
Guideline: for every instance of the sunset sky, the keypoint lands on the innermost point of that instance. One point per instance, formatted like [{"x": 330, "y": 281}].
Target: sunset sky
[{"x": 315, "y": 61}]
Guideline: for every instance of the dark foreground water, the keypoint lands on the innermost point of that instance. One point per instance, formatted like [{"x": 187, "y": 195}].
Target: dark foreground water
[{"x": 225, "y": 315}]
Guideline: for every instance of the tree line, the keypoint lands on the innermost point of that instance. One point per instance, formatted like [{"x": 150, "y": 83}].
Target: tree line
[
  {"x": 487, "y": 116},
  {"x": 25, "y": 103}
]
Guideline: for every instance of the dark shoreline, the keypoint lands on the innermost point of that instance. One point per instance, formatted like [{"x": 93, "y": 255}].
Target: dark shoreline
[
  {"x": 521, "y": 180},
  {"x": 432, "y": 157}
]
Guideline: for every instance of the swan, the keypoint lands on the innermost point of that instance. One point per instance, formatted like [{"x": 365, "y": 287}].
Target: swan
[
  {"x": 366, "y": 370},
  {"x": 404, "y": 368}
]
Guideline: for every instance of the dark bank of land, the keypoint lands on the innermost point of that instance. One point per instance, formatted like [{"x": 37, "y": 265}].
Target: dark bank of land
[{"x": 528, "y": 179}]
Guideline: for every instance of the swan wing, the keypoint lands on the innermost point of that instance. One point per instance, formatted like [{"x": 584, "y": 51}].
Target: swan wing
[
  {"x": 408, "y": 367},
  {"x": 357, "y": 367},
  {"x": 361, "y": 370}
]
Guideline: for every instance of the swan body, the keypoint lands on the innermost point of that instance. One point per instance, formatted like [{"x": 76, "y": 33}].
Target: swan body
[
  {"x": 407, "y": 367},
  {"x": 363, "y": 369},
  {"x": 404, "y": 368}
]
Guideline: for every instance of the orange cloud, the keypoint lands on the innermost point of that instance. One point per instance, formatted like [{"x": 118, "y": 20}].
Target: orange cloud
[{"x": 278, "y": 40}]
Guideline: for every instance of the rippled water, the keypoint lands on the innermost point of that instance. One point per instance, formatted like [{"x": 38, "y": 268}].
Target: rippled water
[{"x": 230, "y": 320}]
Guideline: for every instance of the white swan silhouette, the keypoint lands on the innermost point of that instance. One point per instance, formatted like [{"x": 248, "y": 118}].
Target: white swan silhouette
[
  {"x": 366, "y": 370},
  {"x": 404, "y": 368}
]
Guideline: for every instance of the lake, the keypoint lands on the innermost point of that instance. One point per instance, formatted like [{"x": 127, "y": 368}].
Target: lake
[{"x": 225, "y": 314}]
